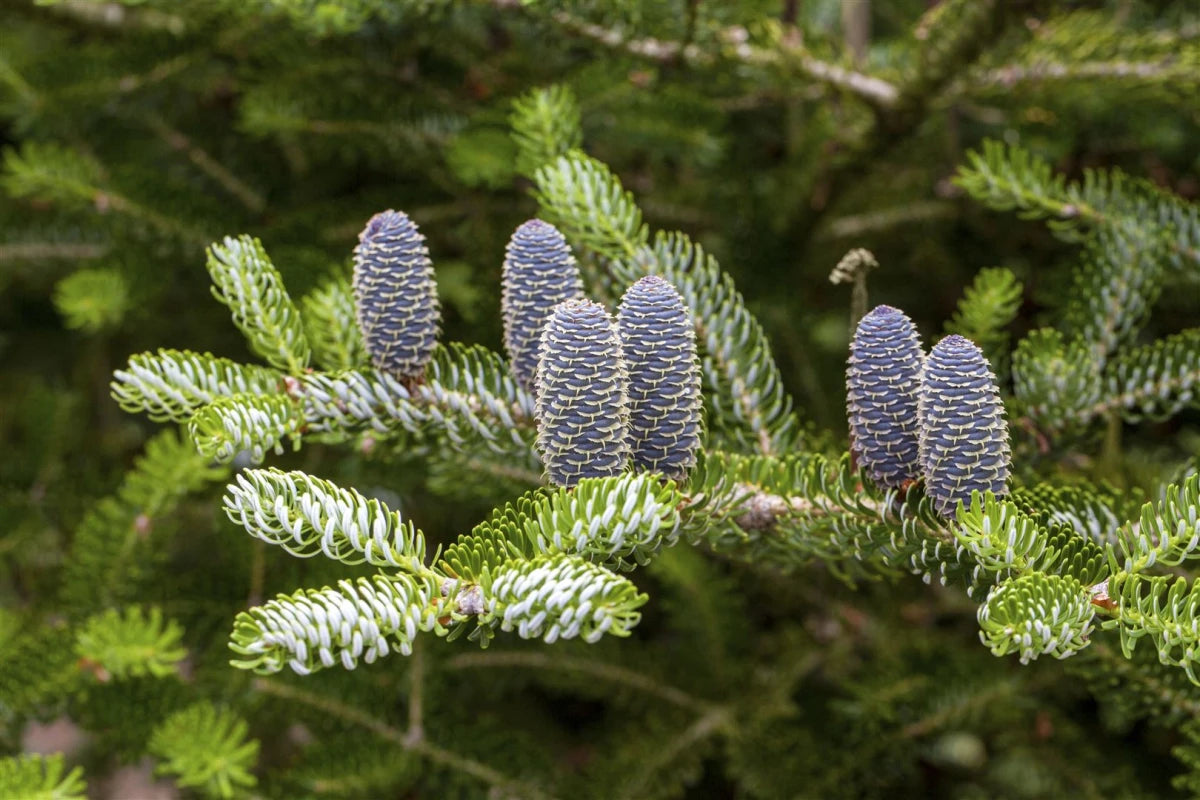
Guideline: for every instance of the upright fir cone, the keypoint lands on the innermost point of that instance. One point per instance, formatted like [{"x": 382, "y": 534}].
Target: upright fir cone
[
  {"x": 665, "y": 404},
  {"x": 883, "y": 378},
  {"x": 964, "y": 438},
  {"x": 539, "y": 273},
  {"x": 581, "y": 407},
  {"x": 395, "y": 297}
]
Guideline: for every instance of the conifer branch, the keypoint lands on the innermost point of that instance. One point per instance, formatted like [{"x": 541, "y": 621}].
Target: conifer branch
[
  {"x": 736, "y": 48},
  {"x": 309, "y": 630},
  {"x": 609, "y": 520},
  {"x": 711, "y": 723},
  {"x": 330, "y": 327},
  {"x": 1163, "y": 609},
  {"x": 58, "y": 174},
  {"x": 1166, "y": 71},
  {"x": 1166, "y": 534},
  {"x": 1166, "y": 699},
  {"x": 37, "y": 777},
  {"x": 230, "y": 182},
  {"x": 987, "y": 307},
  {"x": 306, "y": 516},
  {"x": 172, "y": 385},
  {"x": 39, "y": 251},
  {"x": 113, "y": 545},
  {"x": 422, "y": 747},
  {"x": 1012, "y": 178},
  {"x": 92, "y": 300},
  {"x": 1155, "y": 381},
  {"x": 132, "y": 644},
  {"x": 206, "y": 747},
  {"x": 1036, "y": 614},
  {"x": 611, "y": 673},
  {"x": 552, "y": 598},
  {"x": 468, "y": 393},
  {"x": 583, "y": 197},
  {"x": 545, "y": 125},
  {"x": 253, "y": 424},
  {"x": 245, "y": 280}
]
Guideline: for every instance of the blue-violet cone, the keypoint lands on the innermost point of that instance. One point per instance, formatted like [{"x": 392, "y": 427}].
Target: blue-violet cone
[
  {"x": 539, "y": 273},
  {"x": 581, "y": 407},
  {"x": 883, "y": 378},
  {"x": 964, "y": 438},
  {"x": 395, "y": 297},
  {"x": 665, "y": 404}
]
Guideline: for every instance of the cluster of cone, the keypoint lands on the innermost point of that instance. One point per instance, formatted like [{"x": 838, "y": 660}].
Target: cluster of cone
[
  {"x": 607, "y": 392},
  {"x": 936, "y": 418}
]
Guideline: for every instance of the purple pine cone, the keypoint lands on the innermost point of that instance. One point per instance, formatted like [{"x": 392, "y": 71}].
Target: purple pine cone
[
  {"x": 539, "y": 273},
  {"x": 883, "y": 377},
  {"x": 964, "y": 438},
  {"x": 665, "y": 404},
  {"x": 581, "y": 407},
  {"x": 395, "y": 296}
]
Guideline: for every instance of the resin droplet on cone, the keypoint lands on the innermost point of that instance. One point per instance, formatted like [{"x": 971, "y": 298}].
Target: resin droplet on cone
[
  {"x": 883, "y": 377},
  {"x": 581, "y": 407},
  {"x": 665, "y": 405},
  {"x": 964, "y": 438},
  {"x": 395, "y": 296}
]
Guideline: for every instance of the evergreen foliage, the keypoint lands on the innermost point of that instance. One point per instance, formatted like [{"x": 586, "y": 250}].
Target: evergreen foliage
[
  {"x": 41, "y": 778},
  {"x": 651, "y": 574},
  {"x": 206, "y": 747}
]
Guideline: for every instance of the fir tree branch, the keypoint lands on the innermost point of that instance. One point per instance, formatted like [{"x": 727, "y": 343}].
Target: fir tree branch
[
  {"x": 253, "y": 424},
  {"x": 37, "y": 777},
  {"x": 872, "y": 89},
  {"x": 1165, "y": 71},
  {"x": 711, "y": 723},
  {"x": 173, "y": 384},
  {"x": 1011, "y": 177},
  {"x": 1155, "y": 381},
  {"x": 853, "y": 226},
  {"x": 306, "y": 516},
  {"x": 416, "y": 695},
  {"x": 612, "y": 673},
  {"x": 133, "y": 644},
  {"x": 950, "y": 37},
  {"x": 245, "y": 281},
  {"x": 205, "y": 746},
  {"x": 111, "y": 551},
  {"x": 1117, "y": 671},
  {"x": 38, "y": 251},
  {"x": 61, "y": 175},
  {"x": 468, "y": 394},
  {"x": 966, "y": 704},
  {"x": 230, "y": 182},
  {"x": 331, "y": 328},
  {"x": 422, "y": 747}
]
